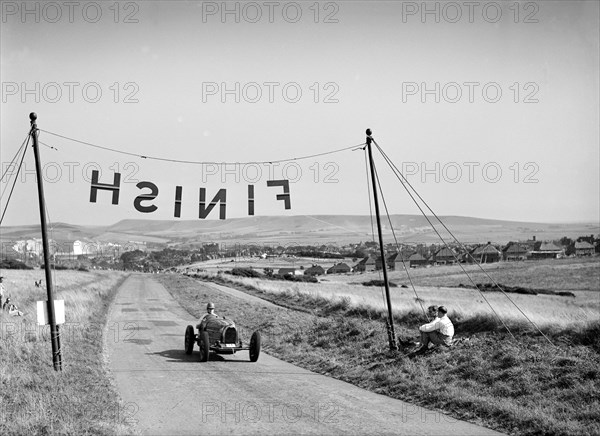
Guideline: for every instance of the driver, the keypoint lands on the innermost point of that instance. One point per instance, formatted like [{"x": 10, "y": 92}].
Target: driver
[{"x": 210, "y": 313}]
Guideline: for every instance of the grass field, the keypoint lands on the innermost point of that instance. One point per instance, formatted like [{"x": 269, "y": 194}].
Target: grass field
[
  {"x": 520, "y": 385},
  {"x": 581, "y": 277},
  {"x": 567, "y": 274},
  {"x": 78, "y": 400},
  {"x": 215, "y": 265}
]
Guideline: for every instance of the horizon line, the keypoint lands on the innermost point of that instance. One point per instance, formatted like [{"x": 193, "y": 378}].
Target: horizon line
[{"x": 565, "y": 222}]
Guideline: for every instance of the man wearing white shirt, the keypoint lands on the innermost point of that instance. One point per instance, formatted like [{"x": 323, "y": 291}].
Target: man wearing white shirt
[
  {"x": 439, "y": 331},
  {"x": 431, "y": 315}
]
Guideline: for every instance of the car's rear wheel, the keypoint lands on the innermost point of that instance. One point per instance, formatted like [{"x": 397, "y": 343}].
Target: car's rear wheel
[
  {"x": 255, "y": 346},
  {"x": 189, "y": 339},
  {"x": 204, "y": 349}
]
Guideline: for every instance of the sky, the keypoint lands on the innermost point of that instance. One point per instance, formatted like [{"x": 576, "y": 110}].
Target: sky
[{"x": 489, "y": 109}]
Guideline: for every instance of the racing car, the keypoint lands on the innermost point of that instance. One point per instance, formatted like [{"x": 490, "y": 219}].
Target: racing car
[{"x": 219, "y": 335}]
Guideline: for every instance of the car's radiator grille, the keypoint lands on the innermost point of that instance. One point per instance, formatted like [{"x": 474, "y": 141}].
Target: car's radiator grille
[{"x": 230, "y": 336}]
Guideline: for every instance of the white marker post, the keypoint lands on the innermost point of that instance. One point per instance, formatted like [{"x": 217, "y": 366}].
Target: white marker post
[{"x": 42, "y": 312}]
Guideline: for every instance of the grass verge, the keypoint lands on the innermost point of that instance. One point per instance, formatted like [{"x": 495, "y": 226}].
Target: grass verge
[
  {"x": 35, "y": 399},
  {"x": 520, "y": 387}
]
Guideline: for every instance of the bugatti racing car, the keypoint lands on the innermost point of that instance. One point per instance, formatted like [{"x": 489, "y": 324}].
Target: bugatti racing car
[{"x": 220, "y": 336}]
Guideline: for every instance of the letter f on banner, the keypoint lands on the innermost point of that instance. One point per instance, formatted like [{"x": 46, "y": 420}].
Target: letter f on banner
[{"x": 286, "y": 191}]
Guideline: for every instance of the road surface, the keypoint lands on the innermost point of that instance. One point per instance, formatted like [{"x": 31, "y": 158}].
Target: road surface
[{"x": 166, "y": 392}]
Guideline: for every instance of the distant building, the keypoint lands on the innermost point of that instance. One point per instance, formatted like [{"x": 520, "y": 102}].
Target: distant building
[
  {"x": 315, "y": 270},
  {"x": 289, "y": 271},
  {"x": 339, "y": 268},
  {"x": 546, "y": 250},
  {"x": 530, "y": 243},
  {"x": 515, "y": 251},
  {"x": 395, "y": 261},
  {"x": 366, "y": 265},
  {"x": 84, "y": 248},
  {"x": 29, "y": 247},
  {"x": 444, "y": 256},
  {"x": 417, "y": 260},
  {"x": 485, "y": 254},
  {"x": 584, "y": 248}
]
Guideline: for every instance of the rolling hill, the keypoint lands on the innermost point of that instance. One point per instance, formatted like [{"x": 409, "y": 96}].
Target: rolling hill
[{"x": 302, "y": 229}]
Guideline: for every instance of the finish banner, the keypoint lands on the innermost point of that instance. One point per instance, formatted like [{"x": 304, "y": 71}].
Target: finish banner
[{"x": 144, "y": 202}]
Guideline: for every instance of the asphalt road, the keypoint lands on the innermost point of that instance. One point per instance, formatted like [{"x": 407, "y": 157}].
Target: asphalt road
[{"x": 166, "y": 392}]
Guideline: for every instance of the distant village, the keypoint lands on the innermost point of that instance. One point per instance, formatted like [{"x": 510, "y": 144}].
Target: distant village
[
  {"x": 351, "y": 258},
  {"x": 434, "y": 255}
]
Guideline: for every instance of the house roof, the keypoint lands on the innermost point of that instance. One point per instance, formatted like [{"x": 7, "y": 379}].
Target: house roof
[
  {"x": 516, "y": 248},
  {"x": 394, "y": 257},
  {"x": 416, "y": 256},
  {"x": 583, "y": 245},
  {"x": 548, "y": 246},
  {"x": 397, "y": 257},
  {"x": 315, "y": 268},
  {"x": 369, "y": 260},
  {"x": 485, "y": 249},
  {"x": 445, "y": 252},
  {"x": 339, "y": 267}
]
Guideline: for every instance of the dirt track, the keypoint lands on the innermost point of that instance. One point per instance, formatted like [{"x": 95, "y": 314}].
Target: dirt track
[{"x": 168, "y": 392}]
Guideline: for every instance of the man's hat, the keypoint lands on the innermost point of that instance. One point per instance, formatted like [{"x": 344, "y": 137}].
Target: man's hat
[
  {"x": 443, "y": 309},
  {"x": 210, "y": 306}
]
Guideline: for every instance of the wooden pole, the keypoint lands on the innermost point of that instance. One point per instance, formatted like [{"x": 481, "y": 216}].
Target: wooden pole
[
  {"x": 391, "y": 333},
  {"x": 54, "y": 333}
]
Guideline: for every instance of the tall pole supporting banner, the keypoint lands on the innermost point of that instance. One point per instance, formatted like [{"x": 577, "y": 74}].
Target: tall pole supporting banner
[
  {"x": 54, "y": 333},
  {"x": 390, "y": 326}
]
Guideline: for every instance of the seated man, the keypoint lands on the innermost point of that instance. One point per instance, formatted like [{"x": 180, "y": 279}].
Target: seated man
[
  {"x": 210, "y": 313},
  {"x": 7, "y": 303},
  {"x": 13, "y": 310},
  {"x": 431, "y": 316},
  {"x": 439, "y": 331},
  {"x": 432, "y": 312}
]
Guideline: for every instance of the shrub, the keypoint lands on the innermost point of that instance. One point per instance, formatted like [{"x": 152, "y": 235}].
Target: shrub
[
  {"x": 245, "y": 272},
  {"x": 379, "y": 283},
  {"x": 305, "y": 279},
  {"x": 588, "y": 335},
  {"x": 341, "y": 303},
  {"x": 55, "y": 267},
  {"x": 13, "y": 264}
]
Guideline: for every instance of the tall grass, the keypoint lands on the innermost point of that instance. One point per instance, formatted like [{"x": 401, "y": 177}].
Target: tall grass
[
  {"x": 544, "y": 310},
  {"x": 80, "y": 398}
]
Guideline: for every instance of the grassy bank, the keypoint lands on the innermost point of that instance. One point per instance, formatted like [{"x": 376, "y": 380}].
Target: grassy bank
[
  {"x": 542, "y": 309},
  {"x": 35, "y": 399},
  {"x": 525, "y": 386}
]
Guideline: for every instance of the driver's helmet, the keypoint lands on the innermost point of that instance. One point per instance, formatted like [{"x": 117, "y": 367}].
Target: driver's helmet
[{"x": 210, "y": 306}]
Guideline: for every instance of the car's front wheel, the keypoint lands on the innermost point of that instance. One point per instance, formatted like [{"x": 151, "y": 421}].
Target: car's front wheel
[
  {"x": 254, "y": 346},
  {"x": 203, "y": 343},
  {"x": 189, "y": 339}
]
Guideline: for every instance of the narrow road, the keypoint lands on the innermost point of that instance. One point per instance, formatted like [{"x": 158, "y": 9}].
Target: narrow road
[{"x": 167, "y": 392}]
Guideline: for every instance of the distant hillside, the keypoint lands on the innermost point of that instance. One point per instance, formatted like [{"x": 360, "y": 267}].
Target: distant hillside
[{"x": 303, "y": 229}]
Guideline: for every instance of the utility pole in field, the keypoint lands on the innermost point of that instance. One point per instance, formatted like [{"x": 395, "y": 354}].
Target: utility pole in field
[
  {"x": 390, "y": 325},
  {"x": 54, "y": 332}
]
